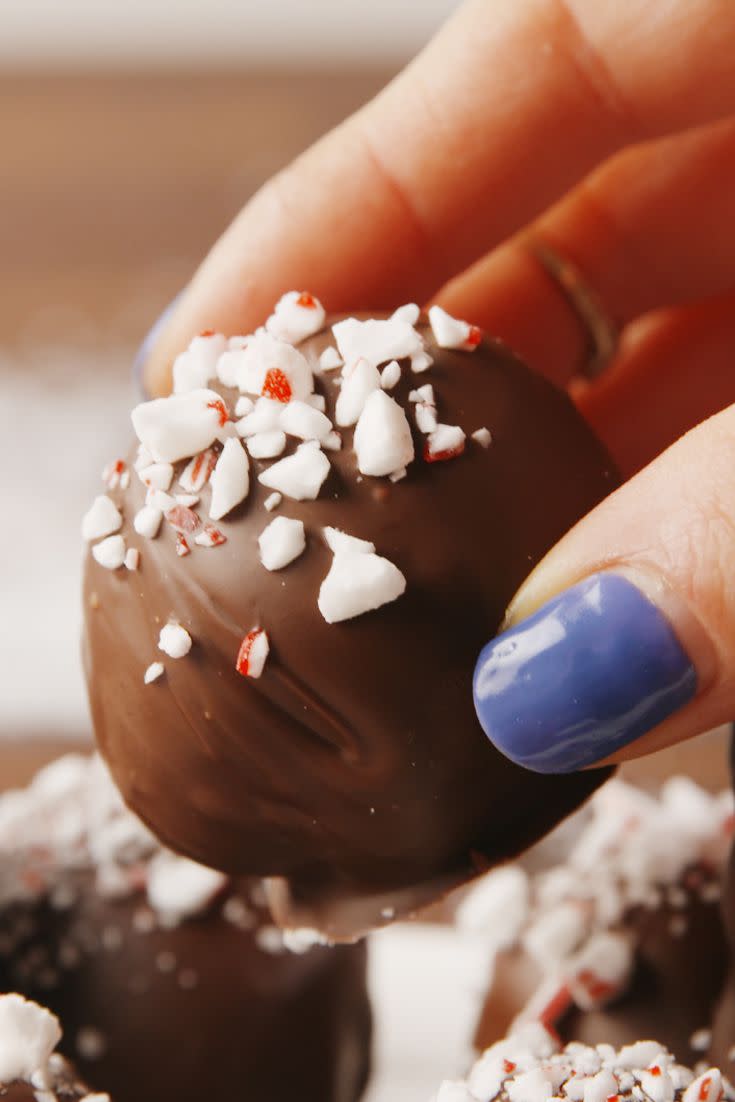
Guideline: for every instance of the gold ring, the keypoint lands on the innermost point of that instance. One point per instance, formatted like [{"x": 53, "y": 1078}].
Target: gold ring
[{"x": 602, "y": 332}]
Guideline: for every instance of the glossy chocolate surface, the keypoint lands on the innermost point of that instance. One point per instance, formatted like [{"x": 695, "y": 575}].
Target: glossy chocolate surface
[{"x": 355, "y": 766}]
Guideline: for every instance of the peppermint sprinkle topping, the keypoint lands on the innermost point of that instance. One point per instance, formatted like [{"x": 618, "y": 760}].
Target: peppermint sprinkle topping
[
  {"x": 103, "y": 518},
  {"x": 297, "y": 316},
  {"x": 230, "y": 479},
  {"x": 110, "y": 553},
  {"x": 174, "y": 640},
  {"x": 359, "y": 581},
  {"x": 154, "y": 671},
  {"x": 281, "y": 542},
  {"x": 450, "y": 332},
  {"x": 299, "y": 476},
  {"x": 253, "y": 653},
  {"x": 28, "y": 1036}
]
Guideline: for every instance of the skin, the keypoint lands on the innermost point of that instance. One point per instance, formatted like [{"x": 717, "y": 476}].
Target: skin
[{"x": 609, "y": 130}]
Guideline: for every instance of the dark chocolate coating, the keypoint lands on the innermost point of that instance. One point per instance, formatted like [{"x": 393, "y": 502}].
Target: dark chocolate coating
[
  {"x": 722, "y": 1048},
  {"x": 355, "y": 766},
  {"x": 676, "y": 982},
  {"x": 25, "y": 1092},
  {"x": 222, "y": 1020}
]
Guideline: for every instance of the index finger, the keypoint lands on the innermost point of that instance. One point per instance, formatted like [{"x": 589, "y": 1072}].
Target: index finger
[{"x": 512, "y": 103}]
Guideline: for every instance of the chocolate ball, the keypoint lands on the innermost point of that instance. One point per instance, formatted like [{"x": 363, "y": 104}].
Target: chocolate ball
[
  {"x": 354, "y": 767},
  {"x": 171, "y": 981}
]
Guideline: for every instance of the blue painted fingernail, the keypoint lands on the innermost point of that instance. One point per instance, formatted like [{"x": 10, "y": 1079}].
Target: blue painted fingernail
[
  {"x": 591, "y": 671},
  {"x": 141, "y": 356}
]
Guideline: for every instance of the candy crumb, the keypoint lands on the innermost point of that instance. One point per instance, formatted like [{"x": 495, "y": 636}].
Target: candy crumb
[{"x": 154, "y": 671}]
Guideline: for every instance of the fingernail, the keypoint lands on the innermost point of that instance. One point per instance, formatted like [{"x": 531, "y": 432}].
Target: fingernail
[
  {"x": 589, "y": 672},
  {"x": 143, "y": 353}
]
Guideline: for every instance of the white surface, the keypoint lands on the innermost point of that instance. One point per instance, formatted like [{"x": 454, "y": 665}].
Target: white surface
[
  {"x": 62, "y": 417},
  {"x": 427, "y": 984},
  {"x": 89, "y": 32}
]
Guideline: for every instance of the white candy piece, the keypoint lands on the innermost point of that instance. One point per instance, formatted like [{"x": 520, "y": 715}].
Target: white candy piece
[
  {"x": 230, "y": 480},
  {"x": 423, "y": 393},
  {"x": 497, "y": 905},
  {"x": 451, "y": 332},
  {"x": 399, "y": 475},
  {"x": 382, "y": 441},
  {"x": 332, "y": 442},
  {"x": 317, "y": 401},
  {"x": 330, "y": 359},
  {"x": 272, "y": 501},
  {"x": 174, "y": 640},
  {"x": 337, "y": 540},
  {"x": 390, "y": 376},
  {"x": 281, "y": 542},
  {"x": 197, "y": 365},
  {"x": 209, "y": 537},
  {"x": 264, "y": 417},
  {"x": 187, "y": 500},
  {"x": 426, "y": 418},
  {"x": 299, "y": 476},
  {"x": 28, "y": 1036},
  {"x": 254, "y": 651},
  {"x": 178, "y": 888},
  {"x": 482, "y": 437},
  {"x": 449, "y": 439},
  {"x": 303, "y": 938},
  {"x": 132, "y": 558},
  {"x": 608, "y": 957},
  {"x": 244, "y": 405},
  {"x": 410, "y": 313},
  {"x": 160, "y": 500},
  {"x": 147, "y": 521},
  {"x": 358, "y": 582},
  {"x": 302, "y": 420},
  {"x": 248, "y": 368},
  {"x": 197, "y": 472},
  {"x": 707, "y": 1087},
  {"x": 110, "y": 553},
  {"x": 153, "y": 672},
  {"x": 359, "y": 380},
  {"x": 103, "y": 518},
  {"x": 297, "y": 315},
  {"x": 267, "y": 445},
  {"x": 453, "y": 1091},
  {"x": 179, "y": 426},
  {"x": 380, "y": 341},
  {"x": 158, "y": 476}
]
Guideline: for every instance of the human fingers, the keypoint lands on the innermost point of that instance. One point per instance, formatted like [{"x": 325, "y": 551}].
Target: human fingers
[
  {"x": 622, "y": 640},
  {"x": 654, "y": 227},
  {"x": 508, "y": 107}
]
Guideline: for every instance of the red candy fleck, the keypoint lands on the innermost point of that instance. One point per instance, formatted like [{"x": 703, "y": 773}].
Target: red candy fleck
[
  {"x": 306, "y": 300},
  {"x": 613, "y": 1098},
  {"x": 182, "y": 547},
  {"x": 439, "y": 457},
  {"x": 182, "y": 518},
  {"x": 214, "y": 536},
  {"x": 277, "y": 386},
  {"x": 207, "y": 333},
  {"x": 598, "y": 989},
  {"x": 222, "y": 410},
  {"x": 113, "y": 472},
  {"x": 474, "y": 337},
  {"x": 243, "y": 655},
  {"x": 508, "y": 1067},
  {"x": 556, "y": 1007},
  {"x": 704, "y": 1088},
  {"x": 655, "y": 1070}
]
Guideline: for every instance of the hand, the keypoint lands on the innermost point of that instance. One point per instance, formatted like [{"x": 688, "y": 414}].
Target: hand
[{"x": 608, "y": 130}]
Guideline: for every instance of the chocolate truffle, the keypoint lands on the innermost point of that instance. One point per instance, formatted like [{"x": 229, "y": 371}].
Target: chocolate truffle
[
  {"x": 318, "y": 541},
  {"x": 170, "y": 979},
  {"x": 30, "y": 1070},
  {"x": 531, "y": 1066},
  {"x": 623, "y": 938}
]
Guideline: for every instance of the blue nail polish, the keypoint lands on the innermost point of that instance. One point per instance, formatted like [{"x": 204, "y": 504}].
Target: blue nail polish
[
  {"x": 591, "y": 671},
  {"x": 141, "y": 356}
]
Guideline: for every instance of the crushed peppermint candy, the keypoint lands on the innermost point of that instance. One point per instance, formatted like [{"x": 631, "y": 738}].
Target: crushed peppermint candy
[
  {"x": 297, "y": 315},
  {"x": 482, "y": 437},
  {"x": 265, "y": 416},
  {"x": 197, "y": 365},
  {"x": 330, "y": 359},
  {"x": 179, "y": 426},
  {"x": 153, "y": 672},
  {"x": 272, "y": 501},
  {"x": 382, "y": 441},
  {"x": 28, "y": 1035},
  {"x": 304, "y": 421},
  {"x": 210, "y": 536},
  {"x": 359, "y": 581},
  {"x": 147, "y": 521},
  {"x": 390, "y": 376},
  {"x": 299, "y": 476},
  {"x": 230, "y": 479},
  {"x": 178, "y": 888},
  {"x": 337, "y": 540},
  {"x": 359, "y": 380},
  {"x": 530, "y": 1066},
  {"x": 631, "y": 850},
  {"x": 267, "y": 367},
  {"x": 380, "y": 341},
  {"x": 132, "y": 558},
  {"x": 157, "y": 476},
  {"x": 116, "y": 475},
  {"x": 103, "y": 518},
  {"x": 267, "y": 445},
  {"x": 110, "y": 553},
  {"x": 451, "y": 332},
  {"x": 198, "y": 472},
  {"x": 252, "y": 653},
  {"x": 244, "y": 405},
  {"x": 174, "y": 640},
  {"x": 282, "y": 541},
  {"x": 444, "y": 442}
]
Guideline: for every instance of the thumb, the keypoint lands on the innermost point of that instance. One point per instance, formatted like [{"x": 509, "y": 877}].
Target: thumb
[{"x": 622, "y": 640}]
